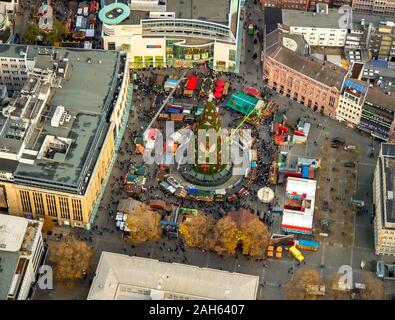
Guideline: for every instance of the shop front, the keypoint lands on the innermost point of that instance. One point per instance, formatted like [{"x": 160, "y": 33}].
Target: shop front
[{"x": 181, "y": 55}]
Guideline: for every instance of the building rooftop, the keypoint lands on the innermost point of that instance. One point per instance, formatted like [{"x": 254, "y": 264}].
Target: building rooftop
[
  {"x": 86, "y": 95},
  {"x": 382, "y": 73},
  {"x": 206, "y": 10},
  {"x": 378, "y": 97},
  {"x": 387, "y": 166},
  {"x": 295, "y": 18},
  {"x": 12, "y": 51},
  {"x": 360, "y": 20},
  {"x": 323, "y": 72},
  {"x": 120, "y": 277},
  {"x": 12, "y": 232},
  {"x": 8, "y": 265}
]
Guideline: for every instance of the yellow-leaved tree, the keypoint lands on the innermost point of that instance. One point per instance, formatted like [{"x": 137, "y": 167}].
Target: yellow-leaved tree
[
  {"x": 71, "y": 259},
  {"x": 198, "y": 231},
  {"x": 144, "y": 224},
  {"x": 227, "y": 236},
  {"x": 255, "y": 237}
]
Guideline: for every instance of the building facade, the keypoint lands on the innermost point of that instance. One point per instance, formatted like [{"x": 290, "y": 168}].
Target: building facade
[
  {"x": 375, "y": 7},
  {"x": 13, "y": 71},
  {"x": 305, "y": 80},
  {"x": 21, "y": 252},
  {"x": 351, "y": 101},
  {"x": 160, "y": 33},
  {"x": 60, "y": 133},
  {"x": 383, "y": 199},
  {"x": 377, "y": 117}
]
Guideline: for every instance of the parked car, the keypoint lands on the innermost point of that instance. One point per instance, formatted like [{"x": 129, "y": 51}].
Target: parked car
[
  {"x": 325, "y": 205},
  {"x": 349, "y": 164},
  {"x": 338, "y": 140},
  {"x": 335, "y": 145}
]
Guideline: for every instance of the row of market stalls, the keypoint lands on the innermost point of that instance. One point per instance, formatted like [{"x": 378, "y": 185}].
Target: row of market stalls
[
  {"x": 299, "y": 203},
  {"x": 285, "y": 132},
  {"x": 296, "y": 172},
  {"x": 191, "y": 86}
]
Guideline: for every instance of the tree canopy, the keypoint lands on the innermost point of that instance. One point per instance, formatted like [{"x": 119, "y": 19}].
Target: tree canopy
[
  {"x": 71, "y": 258},
  {"x": 144, "y": 224}
]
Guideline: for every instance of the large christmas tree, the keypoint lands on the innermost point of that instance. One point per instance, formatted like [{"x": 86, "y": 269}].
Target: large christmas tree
[{"x": 209, "y": 119}]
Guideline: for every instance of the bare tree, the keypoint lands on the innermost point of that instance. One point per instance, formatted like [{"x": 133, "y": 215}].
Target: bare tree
[
  {"x": 305, "y": 285},
  {"x": 374, "y": 287}
]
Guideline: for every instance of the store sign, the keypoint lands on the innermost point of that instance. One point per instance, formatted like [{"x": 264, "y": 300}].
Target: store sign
[{"x": 154, "y": 46}]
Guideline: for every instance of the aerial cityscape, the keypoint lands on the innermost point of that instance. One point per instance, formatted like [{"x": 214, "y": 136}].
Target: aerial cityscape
[{"x": 197, "y": 150}]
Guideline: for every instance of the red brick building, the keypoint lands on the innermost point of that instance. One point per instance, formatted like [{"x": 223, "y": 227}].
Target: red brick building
[{"x": 311, "y": 82}]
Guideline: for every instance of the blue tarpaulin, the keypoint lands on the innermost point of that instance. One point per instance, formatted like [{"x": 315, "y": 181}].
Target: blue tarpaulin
[{"x": 305, "y": 172}]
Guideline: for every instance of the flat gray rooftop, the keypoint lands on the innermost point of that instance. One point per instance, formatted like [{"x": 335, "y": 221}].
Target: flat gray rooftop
[
  {"x": 83, "y": 94},
  {"x": 296, "y": 18},
  {"x": 8, "y": 265},
  {"x": 87, "y": 93},
  {"x": 387, "y": 163},
  {"x": 207, "y": 10},
  {"x": 135, "y": 17},
  {"x": 373, "y": 19},
  {"x": 12, "y": 51}
]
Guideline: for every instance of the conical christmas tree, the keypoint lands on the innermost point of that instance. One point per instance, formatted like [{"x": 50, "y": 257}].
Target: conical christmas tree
[{"x": 209, "y": 119}]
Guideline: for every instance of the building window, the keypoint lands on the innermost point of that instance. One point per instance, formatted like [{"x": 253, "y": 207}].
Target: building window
[
  {"x": 232, "y": 55},
  {"x": 64, "y": 207},
  {"x": 25, "y": 200},
  {"x": 51, "y": 204},
  {"x": 77, "y": 209},
  {"x": 38, "y": 203}
]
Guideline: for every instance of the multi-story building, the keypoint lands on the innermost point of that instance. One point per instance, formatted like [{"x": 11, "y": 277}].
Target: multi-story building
[
  {"x": 175, "y": 33},
  {"x": 351, "y": 100},
  {"x": 377, "y": 117},
  {"x": 311, "y": 82},
  {"x": 21, "y": 254},
  {"x": 376, "y": 34},
  {"x": 321, "y": 28},
  {"x": 383, "y": 200},
  {"x": 121, "y": 277},
  {"x": 59, "y": 135},
  {"x": 375, "y": 7},
  {"x": 13, "y": 71},
  {"x": 9, "y": 5}
]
